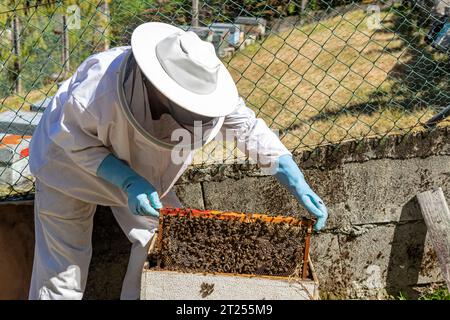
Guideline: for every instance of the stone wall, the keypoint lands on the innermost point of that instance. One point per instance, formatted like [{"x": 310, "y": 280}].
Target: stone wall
[{"x": 375, "y": 243}]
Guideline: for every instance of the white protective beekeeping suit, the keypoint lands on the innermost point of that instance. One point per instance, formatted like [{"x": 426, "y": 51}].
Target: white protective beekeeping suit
[
  {"x": 440, "y": 6},
  {"x": 88, "y": 119}
]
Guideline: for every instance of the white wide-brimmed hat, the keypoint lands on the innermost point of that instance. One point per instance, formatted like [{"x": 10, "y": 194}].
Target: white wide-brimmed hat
[{"x": 184, "y": 68}]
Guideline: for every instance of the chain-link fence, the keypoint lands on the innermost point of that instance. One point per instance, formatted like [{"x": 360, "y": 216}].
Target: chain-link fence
[{"x": 317, "y": 71}]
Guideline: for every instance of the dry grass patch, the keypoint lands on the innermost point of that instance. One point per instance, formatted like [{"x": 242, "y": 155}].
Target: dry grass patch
[{"x": 319, "y": 81}]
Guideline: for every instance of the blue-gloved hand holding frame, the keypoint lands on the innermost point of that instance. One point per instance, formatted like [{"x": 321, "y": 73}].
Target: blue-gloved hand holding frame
[
  {"x": 289, "y": 175},
  {"x": 143, "y": 199}
]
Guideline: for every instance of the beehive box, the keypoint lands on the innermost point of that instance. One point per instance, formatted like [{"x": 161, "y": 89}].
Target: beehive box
[{"x": 225, "y": 255}]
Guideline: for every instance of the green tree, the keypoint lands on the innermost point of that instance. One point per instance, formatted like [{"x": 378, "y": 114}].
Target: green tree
[{"x": 46, "y": 43}]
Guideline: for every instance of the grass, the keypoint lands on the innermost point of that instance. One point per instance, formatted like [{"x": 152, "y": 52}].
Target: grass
[
  {"x": 434, "y": 293},
  {"x": 24, "y": 102},
  {"x": 330, "y": 81},
  {"x": 441, "y": 293},
  {"x": 336, "y": 80}
]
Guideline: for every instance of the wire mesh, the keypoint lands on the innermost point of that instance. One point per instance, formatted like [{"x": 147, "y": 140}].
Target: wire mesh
[{"x": 319, "y": 72}]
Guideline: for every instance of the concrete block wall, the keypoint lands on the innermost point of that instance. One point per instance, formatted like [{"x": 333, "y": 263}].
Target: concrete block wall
[{"x": 375, "y": 243}]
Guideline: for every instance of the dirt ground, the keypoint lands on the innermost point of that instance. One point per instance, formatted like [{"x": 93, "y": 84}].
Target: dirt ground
[
  {"x": 16, "y": 247},
  {"x": 230, "y": 246}
]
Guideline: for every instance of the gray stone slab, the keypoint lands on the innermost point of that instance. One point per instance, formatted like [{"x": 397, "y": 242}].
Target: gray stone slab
[
  {"x": 378, "y": 261},
  {"x": 190, "y": 195},
  {"x": 248, "y": 195},
  {"x": 365, "y": 259},
  {"x": 266, "y": 195},
  {"x": 388, "y": 185}
]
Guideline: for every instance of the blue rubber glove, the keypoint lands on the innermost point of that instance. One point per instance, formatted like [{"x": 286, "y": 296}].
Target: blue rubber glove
[
  {"x": 289, "y": 175},
  {"x": 143, "y": 199}
]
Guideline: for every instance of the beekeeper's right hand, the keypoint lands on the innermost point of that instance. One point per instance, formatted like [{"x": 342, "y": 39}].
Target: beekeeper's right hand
[
  {"x": 290, "y": 175},
  {"x": 143, "y": 199}
]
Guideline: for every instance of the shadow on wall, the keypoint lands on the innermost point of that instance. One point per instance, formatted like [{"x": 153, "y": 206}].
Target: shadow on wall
[
  {"x": 16, "y": 251},
  {"x": 111, "y": 251},
  {"x": 407, "y": 252},
  {"x": 420, "y": 76}
]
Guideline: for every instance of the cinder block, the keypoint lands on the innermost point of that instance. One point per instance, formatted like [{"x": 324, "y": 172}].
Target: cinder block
[
  {"x": 326, "y": 257},
  {"x": 389, "y": 185},
  {"x": 381, "y": 260},
  {"x": 19, "y": 122},
  {"x": 365, "y": 259}
]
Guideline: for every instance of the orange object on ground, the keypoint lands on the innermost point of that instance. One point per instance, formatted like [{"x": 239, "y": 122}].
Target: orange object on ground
[
  {"x": 12, "y": 139},
  {"x": 24, "y": 153}
]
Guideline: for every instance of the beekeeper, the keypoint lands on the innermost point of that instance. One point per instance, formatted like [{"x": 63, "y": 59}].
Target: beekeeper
[{"x": 107, "y": 138}]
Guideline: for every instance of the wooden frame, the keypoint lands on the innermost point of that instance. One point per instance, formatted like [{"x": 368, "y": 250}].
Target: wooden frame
[{"x": 437, "y": 218}]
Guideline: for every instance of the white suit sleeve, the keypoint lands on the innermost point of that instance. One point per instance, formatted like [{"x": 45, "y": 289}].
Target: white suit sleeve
[
  {"x": 253, "y": 136},
  {"x": 77, "y": 134}
]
